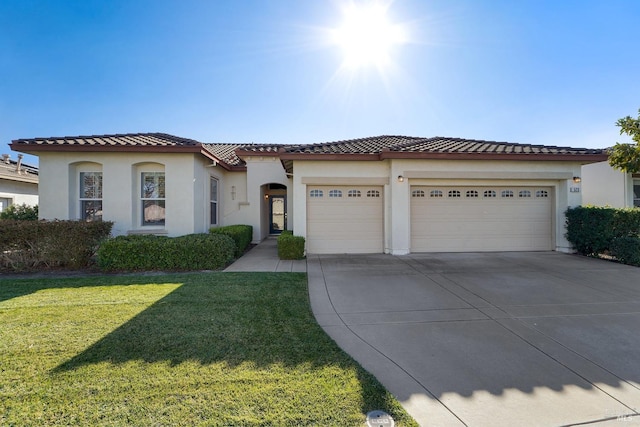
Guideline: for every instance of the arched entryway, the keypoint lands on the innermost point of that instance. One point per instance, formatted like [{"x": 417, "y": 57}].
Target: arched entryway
[{"x": 274, "y": 210}]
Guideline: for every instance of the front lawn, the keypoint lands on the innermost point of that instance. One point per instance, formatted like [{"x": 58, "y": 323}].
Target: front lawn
[{"x": 178, "y": 349}]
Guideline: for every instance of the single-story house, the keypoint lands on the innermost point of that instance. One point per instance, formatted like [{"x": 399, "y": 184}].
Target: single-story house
[
  {"x": 384, "y": 194},
  {"x": 606, "y": 186},
  {"x": 18, "y": 183}
]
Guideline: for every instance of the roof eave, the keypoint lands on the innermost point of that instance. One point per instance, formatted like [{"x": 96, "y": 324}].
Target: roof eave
[{"x": 329, "y": 156}]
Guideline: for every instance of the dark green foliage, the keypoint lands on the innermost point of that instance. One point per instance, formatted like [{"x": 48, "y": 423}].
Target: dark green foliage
[
  {"x": 21, "y": 212},
  {"x": 287, "y": 232},
  {"x": 290, "y": 246},
  {"x": 148, "y": 252},
  {"x": 36, "y": 245},
  {"x": 626, "y": 250},
  {"x": 241, "y": 235},
  {"x": 593, "y": 230},
  {"x": 626, "y": 157}
]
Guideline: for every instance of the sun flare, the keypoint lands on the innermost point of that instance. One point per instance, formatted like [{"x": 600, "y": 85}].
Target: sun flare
[{"x": 366, "y": 36}]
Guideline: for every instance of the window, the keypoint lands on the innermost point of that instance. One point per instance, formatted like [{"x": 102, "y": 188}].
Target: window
[
  {"x": 472, "y": 193},
  {"x": 489, "y": 193},
  {"x": 213, "y": 200},
  {"x": 454, "y": 193},
  {"x": 4, "y": 203},
  {"x": 417, "y": 193},
  {"x": 91, "y": 196},
  {"x": 524, "y": 193},
  {"x": 335, "y": 193},
  {"x": 435, "y": 193},
  {"x": 506, "y": 193},
  {"x": 153, "y": 199},
  {"x": 316, "y": 193},
  {"x": 354, "y": 193},
  {"x": 542, "y": 193},
  {"x": 636, "y": 193},
  {"x": 373, "y": 193}
]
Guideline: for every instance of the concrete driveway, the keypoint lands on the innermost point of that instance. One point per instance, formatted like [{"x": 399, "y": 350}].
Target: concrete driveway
[{"x": 489, "y": 339}]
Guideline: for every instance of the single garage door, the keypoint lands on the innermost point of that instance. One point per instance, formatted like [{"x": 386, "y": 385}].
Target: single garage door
[
  {"x": 460, "y": 219},
  {"x": 344, "y": 219}
]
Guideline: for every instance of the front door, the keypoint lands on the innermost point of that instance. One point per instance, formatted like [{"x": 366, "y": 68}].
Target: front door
[{"x": 278, "y": 214}]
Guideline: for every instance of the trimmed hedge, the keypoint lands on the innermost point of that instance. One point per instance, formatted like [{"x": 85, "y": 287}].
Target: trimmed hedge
[
  {"x": 596, "y": 230},
  {"x": 37, "y": 245},
  {"x": 626, "y": 250},
  {"x": 290, "y": 246},
  {"x": 147, "y": 252},
  {"x": 591, "y": 230},
  {"x": 241, "y": 235}
]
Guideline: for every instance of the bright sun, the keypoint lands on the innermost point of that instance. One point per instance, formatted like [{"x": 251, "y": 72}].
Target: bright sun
[{"x": 366, "y": 36}]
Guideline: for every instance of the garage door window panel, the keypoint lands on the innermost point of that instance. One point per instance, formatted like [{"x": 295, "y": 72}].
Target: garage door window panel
[{"x": 335, "y": 193}]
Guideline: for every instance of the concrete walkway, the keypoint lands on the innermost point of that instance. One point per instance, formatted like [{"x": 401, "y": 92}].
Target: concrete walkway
[{"x": 264, "y": 257}]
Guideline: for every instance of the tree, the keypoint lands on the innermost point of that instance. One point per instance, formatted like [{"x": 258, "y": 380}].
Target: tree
[{"x": 626, "y": 157}]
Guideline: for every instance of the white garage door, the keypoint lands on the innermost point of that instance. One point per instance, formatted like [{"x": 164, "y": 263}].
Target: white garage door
[
  {"x": 459, "y": 219},
  {"x": 343, "y": 219}
]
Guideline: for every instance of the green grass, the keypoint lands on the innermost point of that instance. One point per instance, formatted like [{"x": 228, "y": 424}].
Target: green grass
[{"x": 179, "y": 349}]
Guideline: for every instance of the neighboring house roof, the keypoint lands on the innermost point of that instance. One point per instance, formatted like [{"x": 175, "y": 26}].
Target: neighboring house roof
[
  {"x": 230, "y": 156},
  {"x": 17, "y": 171}
]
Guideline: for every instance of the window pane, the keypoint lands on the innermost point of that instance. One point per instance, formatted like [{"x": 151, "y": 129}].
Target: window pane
[
  {"x": 214, "y": 190},
  {"x": 214, "y": 213},
  {"x": 153, "y": 185},
  {"x": 153, "y": 212},
  {"x": 91, "y": 210},
  {"x": 90, "y": 185}
]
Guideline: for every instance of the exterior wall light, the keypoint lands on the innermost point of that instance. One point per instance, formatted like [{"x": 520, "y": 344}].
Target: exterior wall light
[
  {"x": 266, "y": 197},
  {"x": 400, "y": 178},
  {"x": 577, "y": 179}
]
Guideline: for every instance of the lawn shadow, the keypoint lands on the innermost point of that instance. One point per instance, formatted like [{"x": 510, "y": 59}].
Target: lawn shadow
[{"x": 264, "y": 319}]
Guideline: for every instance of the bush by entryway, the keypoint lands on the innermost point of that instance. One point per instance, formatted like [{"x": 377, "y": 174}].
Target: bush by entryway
[
  {"x": 241, "y": 235},
  {"x": 290, "y": 246}
]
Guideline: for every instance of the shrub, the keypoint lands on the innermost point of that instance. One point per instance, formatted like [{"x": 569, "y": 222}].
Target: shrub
[
  {"x": 34, "y": 245},
  {"x": 591, "y": 230},
  {"x": 21, "y": 212},
  {"x": 241, "y": 235},
  {"x": 148, "y": 252},
  {"x": 290, "y": 246},
  {"x": 626, "y": 250}
]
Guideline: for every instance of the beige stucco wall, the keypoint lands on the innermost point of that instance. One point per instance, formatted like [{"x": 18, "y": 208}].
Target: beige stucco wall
[
  {"x": 606, "y": 186},
  {"x": 397, "y": 233},
  {"x": 187, "y": 189},
  {"x": 19, "y": 192}
]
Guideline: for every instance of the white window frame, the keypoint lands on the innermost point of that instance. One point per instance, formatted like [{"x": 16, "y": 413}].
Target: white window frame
[
  {"x": 636, "y": 198},
  {"x": 214, "y": 213},
  {"x": 150, "y": 198},
  {"x": 88, "y": 197}
]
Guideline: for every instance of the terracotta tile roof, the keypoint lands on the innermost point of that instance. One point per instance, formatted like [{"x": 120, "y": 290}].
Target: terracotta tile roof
[
  {"x": 407, "y": 144},
  {"x": 372, "y": 145},
  {"x": 227, "y": 153},
  {"x": 459, "y": 145},
  {"x": 116, "y": 140}
]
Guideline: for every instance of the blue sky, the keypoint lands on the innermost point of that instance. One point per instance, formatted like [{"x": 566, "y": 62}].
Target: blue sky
[{"x": 538, "y": 71}]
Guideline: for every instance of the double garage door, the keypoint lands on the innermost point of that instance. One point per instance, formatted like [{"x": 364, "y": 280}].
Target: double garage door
[
  {"x": 350, "y": 219},
  {"x": 460, "y": 219}
]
